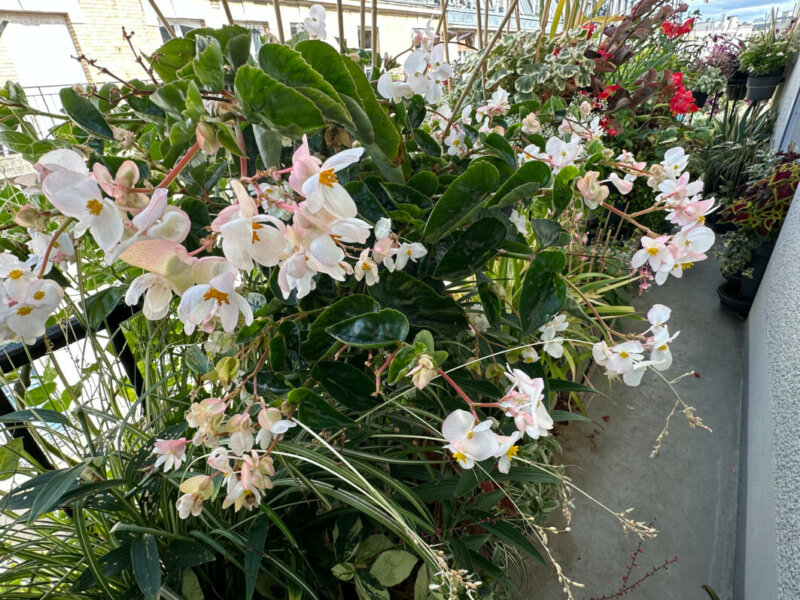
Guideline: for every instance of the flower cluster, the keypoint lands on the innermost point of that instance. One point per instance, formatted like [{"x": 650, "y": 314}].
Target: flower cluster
[
  {"x": 675, "y": 30},
  {"x": 314, "y": 23},
  {"x": 425, "y": 72},
  {"x": 682, "y": 101}
]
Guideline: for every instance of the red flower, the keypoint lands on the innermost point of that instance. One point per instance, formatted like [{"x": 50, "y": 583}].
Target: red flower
[
  {"x": 589, "y": 27},
  {"x": 668, "y": 29},
  {"x": 682, "y": 102},
  {"x": 675, "y": 30},
  {"x": 604, "y": 95},
  {"x": 604, "y": 123}
]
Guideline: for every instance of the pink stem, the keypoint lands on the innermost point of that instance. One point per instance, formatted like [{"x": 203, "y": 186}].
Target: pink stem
[{"x": 180, "y": 166}]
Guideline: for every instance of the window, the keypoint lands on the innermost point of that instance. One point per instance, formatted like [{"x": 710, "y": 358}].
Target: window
[
  {"x": 295, "y": 28},
  {"x": 181, "y": 28},
  {"x": 368, "y": 37}
]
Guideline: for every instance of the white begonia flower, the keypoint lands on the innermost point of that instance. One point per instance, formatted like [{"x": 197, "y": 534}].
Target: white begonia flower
[
  {"x": 17, "y": 275},
  {"x": 272, "y": 424},
  {"x": 658, "y": 315},
  {"x": 424, "y": 372},
  {"x": 366, "y": 268},
  {"x": 393, "y": 90},
  {"x": 170, "y": 453},
  {"x": 62, "y": 250},
  {"x": 506, "y": 450},
  {"x": 524, "y": 402},
  {"x": 440, "y": 70},
  {"x": 415, "y": 66},
  {"x": 529, "y": 355},
  {"x": 530, "y": 124},
  {"x": 78, "y": 196},
  {"x": 455, "y": 143},
  {"x": 240, "y": 428},
  {"x": 195, "y": 490},
  {"x": 696, "y": 240},
  {"x": 592, "y": 192},
  {"x": 562, "y": 153},
  {"x": 27, "y": 319},
  {"x": 470, "y": 442},
  {"x": 519, "y": 222},
  {"x": 477, "y": 319},
  {"x": 553, "y": 345},
  {"x": 623, "y": 356},
  {"x": 499, "y": 101},
  {"x": 655, "y": 252},
  {"x": 201, "y": 305},
  {"x": 405, "y": 253},
  {"x": 383, "y": 227},
  {"x": 633, "y": 377},
  {"x": 63, "y": 159},
  {"x": 314, "y": 23},
  {"x": 157, "y": 291},
  {"x": 322, "y": 189},
  {"x": 674, "y": 163},
  {"x": 557, "y": 324},
  {"x": 660, "y": 355}
]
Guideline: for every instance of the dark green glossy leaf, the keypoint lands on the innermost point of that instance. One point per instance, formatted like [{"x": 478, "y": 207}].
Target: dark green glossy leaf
[
  {"x": 277, "y": 352},
  {"x": 426, "y": 143},
  {"x": 237, "y": 50},
  {"x": 172, "y": 56},
  {"x": 463, "y": 197},
  {"x": 208, "y": 65},
  {"x": 100, "y": 305},
  {"x": 424, "y": 182},
  {"x": 85, "y": 114},
  {"x": 171, "y": 98},
  {"x": 421, "y": 305},
  {"x": 492, "y": 306},
  {"x": 112, "y": 563},
  {"x": 183, "y": 553},
  {"x": 369, "y": 588},
  {"x": 268, "y": 102},
  {"x": 269, "y": 145},
  {"x": 402, "y": 363},
  {"x": 346, "y": 384},
  {"x": 319, "y": 341},
  {"x": 549, "y": 233},
  {"x": 472, "y": 249},
  {"x": 328, "y": 62},
  {"x": 500, "y": 146},
  {"x": 526, "y": 181},
  {"x": 404, "y": 195},
  {"x": 51, "y": 492},
  {"x": 543, "y": 291},
  {"x": 315, "y": 412},
  {"x": 368, "y": 205},
  {"x": 254, "y": 548},
  {"x": 34, "y": 414},
  {"x": 415, "y": 113},
  {"x": 509, "y": 533},
  {"x": 146, "y": 565},
  {"x": 371, "y": 330},
  {"x": 562, "y": 188}
]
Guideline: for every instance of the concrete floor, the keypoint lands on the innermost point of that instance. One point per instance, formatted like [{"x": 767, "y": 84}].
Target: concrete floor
[{"x": 690, "y": 487}]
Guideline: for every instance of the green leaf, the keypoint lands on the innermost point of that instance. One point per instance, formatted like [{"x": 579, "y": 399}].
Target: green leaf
[
  {"x": 315, "y": 411},
  {"x": 254, "y": 548},
  {"x": 369, "y": 588},
  {"x": 237, "y": 50},
  {"x": 171, "y": 57},
  {"x": 561, "y": 385},
  {"x": 9, "y": 458},
  {"x": 369, "y": 548},
  {"x": 562, "y": 188},
  {"x": 416, "y": 111},
  {"x": 146, "y": 565},
  {"x": 196, "y": 360},
  {"x": 525, "y": 182},
  {"x": 367, "y": 204},
  {"x": 500, "y": 146},
  {"x": 52, "y": 491},
  {"x": 421, "y": 584},
  {"x": 426, "y": 143},
  {"x": 34, "y": 414},
  {"x": 422, "y": 306},
  {"x": 183, "y": 553},
  {"x": 171, "y": 98},
  {"x": 190, "y": 586},
  {"x": 85, "y": 114},
  {"x": 266, "y": 101},
  {"x": 346, "y": 384},
  {"x": 472, "y": 249},
  {"x": 112, "y": 563},
  {"x": 509, "y": 534},
  {"x": 319, "y": 341},
  {"x": 100, "y": 305},
  {"x": 393, "y": 567},
  {"x": 543, "y": 291},
  {"x": 371, "y": 330},
  {"x": 16, "y": 140},
  {"x": 269, "y": 145},
  {"x": 208, "y": 65},
  {"x": 290, "y": 68},
  {"x": 463, "y": 197},
  {"x": 549, "y": 233},
  {"x": 343, "y": 571},
  {"x": 328, "y": 62},
  {"x": 561, "y": 416},
  {"x": 424, "y": 182},
  {"x": 492, "y": 306}
]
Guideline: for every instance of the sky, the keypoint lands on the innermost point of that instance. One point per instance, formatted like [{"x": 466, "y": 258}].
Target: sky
[{"x": 744, "y": 9}]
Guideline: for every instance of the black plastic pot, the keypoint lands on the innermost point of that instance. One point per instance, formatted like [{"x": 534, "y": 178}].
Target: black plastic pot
[
  {"x": 737, "y": 85},
  {"x": 759, "y": 261},
  {"x": 730, "y": 297},
  {"x": 700, "y": 98},
  {"x": 761, "y": 87}
]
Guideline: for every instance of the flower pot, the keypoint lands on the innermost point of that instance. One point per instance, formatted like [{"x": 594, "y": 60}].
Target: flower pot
[
  {"x": 737, "y": 85},
  {"x": 732, "y": 300},
  {"x": 700, "y": 98},
  {"x": 759, "y": 261},
  {"x": 761, "y": 87}
]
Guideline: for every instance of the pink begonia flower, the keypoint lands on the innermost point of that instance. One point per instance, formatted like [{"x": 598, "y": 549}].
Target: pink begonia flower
[
  {"x": 592, "y": 192},
  {"x": 171, "y": 453},
  {"x": 117, "y": 187},
  {"x": 524, "y": 403},
  {"x": 470, "y": 442},
  {"x": 204, "y": 304},
  {"x": 655, "y": 252},
  {"x": 623, "y": 185},
  {"x": 195, "y": 490},
  {"x": 272, "y": 423}
]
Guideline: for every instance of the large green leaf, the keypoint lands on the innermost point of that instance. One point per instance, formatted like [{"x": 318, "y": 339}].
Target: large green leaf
[
  {"x": 509, "y": 533},
  {"x": 526, "y": 181},
  {"x": 549, "y": 233},
  {"x": 472, "y": 249},
  {"x": 371, "y": 330},
  {"x": 51, "y": 492},
  {"x": 146, "y": 565},
  {"x": 34, "y": 414},
  {"x": 319, "y": 341},
  {"x": 237, "y": 50},
  {"x": 393, "y": 567},
  {"x": 100, "y": 305},
  {"x": 346, "y": 384},
  {"x": 85, "y": 114},
  {"x": 290, "y": 68},
  {"x": 315, "y": 412},
  {"x": 500, "y": 146},
  {"x": 369, "y": 588},
  {"x": 543, "y": 291},
  {"x": 562, "y": 188},
  {"x": 208, "y": 65},
  {"x": 9, "y": 458},
  {"x": 254, "y": 548},
  {"x": 328, "y": 62},
  {"x": 464, "y": 196},
  {"x": 266, "y": 101},
  {"x": 422, "y": 306},
  {"x": 171, "y": 57},
  {"x": 171, "y": 98},
  {"x": 112, "y": 563}
]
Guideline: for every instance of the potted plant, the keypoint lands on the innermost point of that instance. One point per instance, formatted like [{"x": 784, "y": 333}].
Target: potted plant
[
  {"x": 764, "y": 58},
  {"x": 708, "y": 82},
  {"x": 724, "y": 55},
  {"x": 757, "y": 217}
]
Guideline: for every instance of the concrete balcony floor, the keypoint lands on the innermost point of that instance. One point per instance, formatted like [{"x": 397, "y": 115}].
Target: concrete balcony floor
[{"x": 690, "y": 487}]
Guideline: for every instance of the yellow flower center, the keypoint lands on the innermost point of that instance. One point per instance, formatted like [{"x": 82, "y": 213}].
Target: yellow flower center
[
  {"x": 256, "y": 226},
  {"x": 328, "y": 177},
  {"x": 365, "y": 266},
  {"x": 95, "y": 207},
  {"x": 563, "y": 154},
  {"x": 456, "y": 142},
  {"x": 16, "y": 274},
  {"x": 39, "y": 295},
  {"x": 512, "y": 451},
  {"x": 470, "y": 434},
  {"x": 685, "y": 266},
  {"x": 652, "y": 251},
  {"x": 24, "y": 310},
  {"x": 624, "y": 354},
  {"x": 701, "y": 219},
  {"x": 460, "y": 457},
  {"x": 662, "y": 347},
  {"x": 215, "y": 294},
  {"x": 408, "y": 251}
]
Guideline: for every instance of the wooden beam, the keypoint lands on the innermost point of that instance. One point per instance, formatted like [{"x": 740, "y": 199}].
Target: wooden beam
[
  {"x": 228, "y": 13},
  {"x": 374, "y": 38},
  {"x": 162, "y": 18},
  {"x": 280, "y": 21},
  {"x": 478, "y": 30},
  {"x": 340, "y": 19},
  {"x": 362, "y": 33}
]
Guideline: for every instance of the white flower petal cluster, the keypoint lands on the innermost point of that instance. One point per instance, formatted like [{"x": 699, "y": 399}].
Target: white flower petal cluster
[{"x": 425, "y": 73}]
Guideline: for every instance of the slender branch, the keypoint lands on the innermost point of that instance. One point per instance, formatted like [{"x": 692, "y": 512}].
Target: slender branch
[
  {"x": 53, "y": 241},
  {"x": 179, "y": 166},
  {"x": 628, "y": 218}
]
